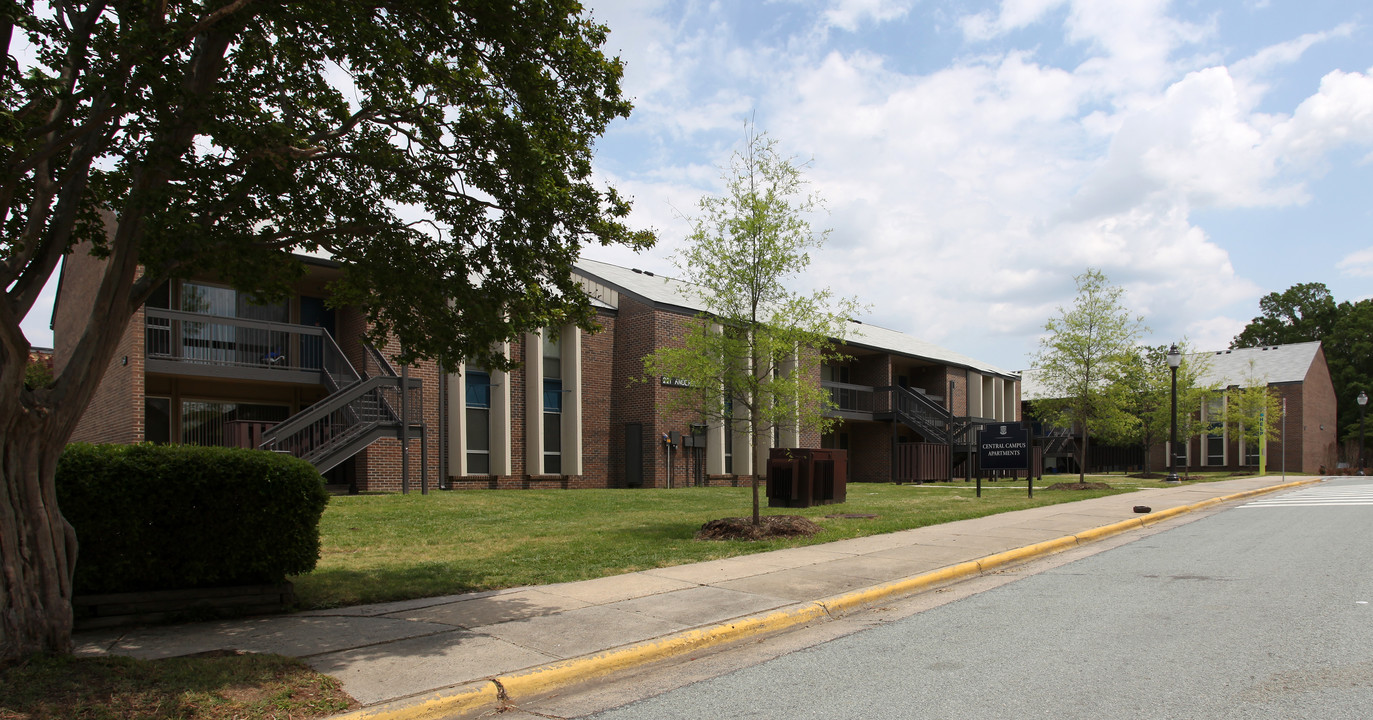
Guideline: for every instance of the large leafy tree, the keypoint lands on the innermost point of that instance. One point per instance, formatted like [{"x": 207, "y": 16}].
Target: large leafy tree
[
  {"x": 1301, "y": 313},
  {"x": 1082, "y": 346},
  {"x": 1306, "y": 312},
  {"x": 1140, "y": 392},
  {"x": 1349, "y": 350},
  {"x": 441, "y": 150},
  {"x": 753, "y": 356}
]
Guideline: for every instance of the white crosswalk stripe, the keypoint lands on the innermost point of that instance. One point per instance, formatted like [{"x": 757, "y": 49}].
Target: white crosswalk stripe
[{"x": 1323, "y": 495}]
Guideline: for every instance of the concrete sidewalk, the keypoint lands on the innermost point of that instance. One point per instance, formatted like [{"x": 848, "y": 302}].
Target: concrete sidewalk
[{"x": 448, "y": 655}]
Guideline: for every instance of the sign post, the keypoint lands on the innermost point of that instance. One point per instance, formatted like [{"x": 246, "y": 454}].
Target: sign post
[{"x": 1004, "y": 446}]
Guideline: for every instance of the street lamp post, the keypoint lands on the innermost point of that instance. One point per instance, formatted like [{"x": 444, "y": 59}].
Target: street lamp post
[
  {"x": 1362, "y": 399},
  {"x": 1174, "y": 360}
]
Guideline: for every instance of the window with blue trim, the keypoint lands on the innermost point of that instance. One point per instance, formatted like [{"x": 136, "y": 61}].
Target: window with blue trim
[
  {"x": 478, "y": 431},
  {"x": 552, "y": 395},
  {"x": 478, "y": 389}
]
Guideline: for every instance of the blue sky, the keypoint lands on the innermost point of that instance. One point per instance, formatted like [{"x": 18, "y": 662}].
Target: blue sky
[{"x": 975, "y": 156}]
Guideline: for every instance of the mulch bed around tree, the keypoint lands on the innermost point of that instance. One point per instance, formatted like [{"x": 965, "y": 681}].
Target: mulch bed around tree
[
  {"x": 768, "y": 527},
  {"x": 1079, "y": 486}
]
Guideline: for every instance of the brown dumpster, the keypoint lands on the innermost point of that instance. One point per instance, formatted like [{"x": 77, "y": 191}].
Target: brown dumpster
[{"x": 802, "y": 477}]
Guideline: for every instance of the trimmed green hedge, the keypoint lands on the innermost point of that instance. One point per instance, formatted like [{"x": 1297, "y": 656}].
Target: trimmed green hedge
[{"x": 163, "y": 517}]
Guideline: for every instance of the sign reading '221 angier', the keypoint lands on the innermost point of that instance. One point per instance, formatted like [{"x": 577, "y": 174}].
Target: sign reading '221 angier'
[{"x": 1004, "y": 446}]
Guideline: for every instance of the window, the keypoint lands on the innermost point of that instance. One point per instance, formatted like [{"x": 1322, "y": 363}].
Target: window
[
  {"x": 231, "y": 344},
  {"x": 729, "y": 436},
  {"x": 843, "y": 398},
  {"x": 157, "y": 420},
  {"x": 206, "y": 422},
  {"x": 1215, "y": 435},
  {"x": 478, "y": 420},
  {"x": 158, "y": 336},
  {"x": 552, "y": 406}
]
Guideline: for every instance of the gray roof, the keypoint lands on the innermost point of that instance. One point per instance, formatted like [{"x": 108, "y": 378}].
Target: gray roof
[
  {"x": 673, "y": 293},
  {"x": 657, "y": 289},
  {"x": 1272, "y": 363}
]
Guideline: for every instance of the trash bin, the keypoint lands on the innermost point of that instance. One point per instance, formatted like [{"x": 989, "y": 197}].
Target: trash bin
[
  {"x": 789, "y": 482},
  {"x": 802, "y": 477}
]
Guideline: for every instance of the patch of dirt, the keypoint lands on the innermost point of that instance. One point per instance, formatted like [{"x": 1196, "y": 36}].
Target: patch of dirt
[
  {"x": 1079, "y": 486},
  {"x": 769, "y": 526}
]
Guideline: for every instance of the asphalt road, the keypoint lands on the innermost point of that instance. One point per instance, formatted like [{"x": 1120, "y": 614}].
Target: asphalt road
[{"x": 1258, "y": 611}]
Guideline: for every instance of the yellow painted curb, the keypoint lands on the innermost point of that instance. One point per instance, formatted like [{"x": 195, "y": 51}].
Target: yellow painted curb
[
  {"x": 546, "y": 678},
  {"x": 1105, "y": 531},
  {"x": 435, "y": 706},
  {"x": 542, "y": 679},
  {"x": 1021, "y": 554},
  {"x": 906, "y": 586}
]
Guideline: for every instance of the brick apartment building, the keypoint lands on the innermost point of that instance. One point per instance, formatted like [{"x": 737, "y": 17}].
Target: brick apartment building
[
  {"x": 201, "y": 364},
  {"x": 1297, "y": 373}
]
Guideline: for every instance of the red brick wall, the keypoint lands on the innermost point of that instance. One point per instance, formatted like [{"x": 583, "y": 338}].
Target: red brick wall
[
  {"x": 1319, "y": 444},
  {"x": 633, "y": 401},
  {"x": 869, "y": 451},
  {"x": 598, "y": 370},
  {"x": 115, "y": 413}
]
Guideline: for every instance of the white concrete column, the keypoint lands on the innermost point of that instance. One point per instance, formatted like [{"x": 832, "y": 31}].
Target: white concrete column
[
  {"x": 715, "y": 434},
  {"x": 457, "y": 424},
  {"x": 999, "y": 399},
  {"x": 571, "y": 341},
  {"x": 501, "y": 461}
]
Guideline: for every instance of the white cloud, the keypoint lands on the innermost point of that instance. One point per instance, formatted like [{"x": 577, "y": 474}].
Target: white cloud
[
  {"x": 1013, "y": 15},
  {"x": 1358, "y": 263},
  {"x": 964, "y": 199},
  {"x": 1340, "y": 114},
  {"x": 850, "y": 14}
]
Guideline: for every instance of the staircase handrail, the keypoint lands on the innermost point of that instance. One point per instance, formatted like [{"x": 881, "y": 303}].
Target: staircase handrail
[
  {"x": 920, "y": 412},
  {"x": 337, "y": 401}
]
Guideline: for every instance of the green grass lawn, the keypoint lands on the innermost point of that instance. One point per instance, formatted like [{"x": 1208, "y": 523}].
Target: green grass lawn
[
  {"x": 213, "y": 686},
  {"x": 379, "y": 548}
]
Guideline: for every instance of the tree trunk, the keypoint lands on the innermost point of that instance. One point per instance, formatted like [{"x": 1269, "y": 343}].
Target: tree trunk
[
  {"x": 37, "y": 545},
  {"x": 1082, "y": 463},
  {"x": 757, "y": 473}
]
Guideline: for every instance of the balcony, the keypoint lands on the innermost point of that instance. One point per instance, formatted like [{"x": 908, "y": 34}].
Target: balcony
[
  {"x": 854, "y": 402},
  {"x": 182, "y": 343}
]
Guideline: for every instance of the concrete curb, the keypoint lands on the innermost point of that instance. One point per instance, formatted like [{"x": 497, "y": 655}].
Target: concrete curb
[{"x": 540, "y": 680}]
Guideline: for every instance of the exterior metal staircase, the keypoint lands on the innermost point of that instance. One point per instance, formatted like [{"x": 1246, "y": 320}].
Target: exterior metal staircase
[
  {"x": 360, "y": 409},
  {"x": 920, "y": 414}
]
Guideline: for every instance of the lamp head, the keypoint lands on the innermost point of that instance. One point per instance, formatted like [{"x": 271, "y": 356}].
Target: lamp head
[
  {"x": 1174, "y": 357},
  {"x": 1362, "y": 399}
]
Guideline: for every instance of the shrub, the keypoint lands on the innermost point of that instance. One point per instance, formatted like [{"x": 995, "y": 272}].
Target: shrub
[{"x": 159, "y": 517}]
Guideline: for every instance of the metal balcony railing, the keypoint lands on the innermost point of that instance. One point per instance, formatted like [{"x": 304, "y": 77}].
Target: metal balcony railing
[
  {"x": 850, "y": 398},
  {"x": 179, "y": 341}
]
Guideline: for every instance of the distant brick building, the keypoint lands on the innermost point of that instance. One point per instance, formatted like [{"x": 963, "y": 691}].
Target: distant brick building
[
  {"x": 202, "y": 364},
  {"x": 1296, "y": 372},
  {"x": 1300, "y": 376}
]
